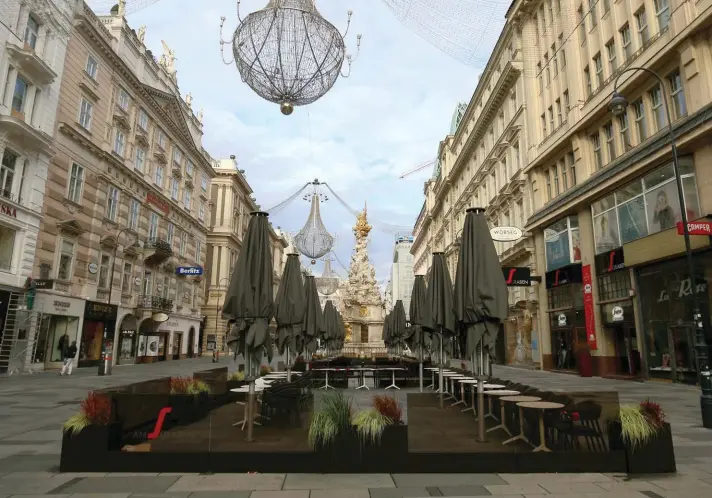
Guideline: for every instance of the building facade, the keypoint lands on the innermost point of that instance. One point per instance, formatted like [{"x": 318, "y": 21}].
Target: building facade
[
  {"x": 126, "y": 205},
  {"x": 400, "y": 286},
  {"x": 605, "y": 203},
  {"x": 231, "y": 204},
  {"x": 33, "y": 40}
]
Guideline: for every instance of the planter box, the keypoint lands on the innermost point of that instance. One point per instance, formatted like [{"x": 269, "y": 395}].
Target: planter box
[
  {"x": 89, "y": 448},
  {"x": 390, "y": 455},
  {"x": 188, "y": 408},
  {"x": 657, "y": 456},
  {"x": 341, "y": 456}
]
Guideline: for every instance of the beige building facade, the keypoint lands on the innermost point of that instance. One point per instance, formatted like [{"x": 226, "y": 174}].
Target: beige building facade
[
  {"x": 126, "y": 205},
  {"x": 232, "y": 201}
]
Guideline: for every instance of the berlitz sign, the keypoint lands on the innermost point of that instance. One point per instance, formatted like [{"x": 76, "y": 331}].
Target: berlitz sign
[
  {"x": 505, "y": 234},
  {"x": 189, "y": 270}
]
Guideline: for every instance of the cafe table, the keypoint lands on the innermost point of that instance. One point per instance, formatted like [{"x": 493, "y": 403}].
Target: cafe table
[
  {"x": 473, "y": 382},
  {"x": 246, "y": 389},
  {"x": 432, "y": 376},
  {"x": 326, "y": 385},
  {"x": 499, "y": 392},
  {"x": 460, "y": 379},
  {"x": 541, "y": 406},
  {"x": 393, "y": 376},
  {"x": 519, "y": 399}
]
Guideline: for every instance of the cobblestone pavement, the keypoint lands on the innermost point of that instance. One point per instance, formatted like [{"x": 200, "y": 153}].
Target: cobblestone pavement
[{"x": 33, "y": 408}]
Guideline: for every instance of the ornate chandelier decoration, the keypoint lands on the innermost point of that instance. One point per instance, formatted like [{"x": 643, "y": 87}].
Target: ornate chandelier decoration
[
  {"x": 314, "y": 240},
  {"x": 288, "y": 53},
  {"x": 328, "y": 283}
]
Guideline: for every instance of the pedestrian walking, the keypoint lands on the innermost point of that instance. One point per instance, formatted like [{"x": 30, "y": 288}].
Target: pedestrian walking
[{"x": 68, "y": 360}]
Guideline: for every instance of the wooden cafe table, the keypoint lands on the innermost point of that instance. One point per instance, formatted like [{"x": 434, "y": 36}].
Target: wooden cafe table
[{"x": 541, "y": 406}]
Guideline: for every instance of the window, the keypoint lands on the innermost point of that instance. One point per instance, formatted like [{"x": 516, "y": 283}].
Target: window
[
  {"x": 562, "y": 51},
  {"x": 558, "y": 112},
  {"x": 183, "y": 242},
  {"x": 32, "y": 32},
  {"x": 610, "y": 140},
  {"x": 625, "y": 41},
  {"x": 554, "y": 60},
  {"x": 177, "y": 155},
  {"x": 198, "y": 250},
  {"x": 147, "y": 283},
  {"x": 611, "y": 50},
  {"x": 587, "y": 79},
  {"x": 104, "y": 267},
  {"x": 594, "y": 18},
  {"x": 562, "y": 244},
  {"x": 174, "y": 189},
  {"x": 204, "y": 182},
  {"x": 642, "y": 22},
  {"x": 606, "y": 6},
  {"x": 36, "y": 108},
  {"x": 143, "y": 120},
  {"x": 161, "y": 139},
  {"x": 677, "y": 95},
  {"x": 662, "y": 12},
  {"x": 140, "y": 159},
  {"x": 85, "y": 112},
  {"x": 170, "y": 233},
  {"x": 126, "y": 279},
  {"x": 7, "y": 173},
  {"x": 656, "y": 99},
  {"x": 201, "y": 212},
  {"x": 123, "y": 99},
  {"x": 515, "y": 153},
  {"x": 548, "y": 70},
  {"x": 7, "y": 247},
  {"x": 581, "y": 25},
  {"x": 564, "y": 176},
  {"x": 639, "y": 108},
  {"x": 76, "y": 183},
  {"x": 567, "y": 106},
  {"x": 598, "y": 64},
  {"x": 92, "y": 67},
  {"x": 539, "y": 77},
  {"x": 189, "y": 168},
  {"x": 548, "y": 186},
  {"x": 134, "y": 214},
  {"x": 159, "y": 176},
  {"x": 19, "y": 97},
  {"x": 571, "y": 163},
  {"x": 596, "y": 143},
  {"x": 625, "y": 132},
  {"x": 66, "y": 260},
  {"x": 543, "y": 126},
  {"x": 166, "y": 287},
  {"x": 556, "y": 179},
  {"x": 119, "y": 143},
  {"x": 112, "y": 203},
  {"x": 153, "y": 226},
  {"x": 551, "y": 119}
]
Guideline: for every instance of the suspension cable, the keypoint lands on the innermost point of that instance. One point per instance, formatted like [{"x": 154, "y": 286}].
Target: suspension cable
[{"x": 288, "y": 200}]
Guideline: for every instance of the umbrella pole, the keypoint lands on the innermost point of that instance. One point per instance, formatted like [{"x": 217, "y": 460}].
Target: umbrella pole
[
  {"x": 289, "y": 367},
  {"x": 440, "y": 383},
  {"x": 481, "y": 400},
  {"x": 420, "y": 358},
  {"x": 250, "y": 394}
]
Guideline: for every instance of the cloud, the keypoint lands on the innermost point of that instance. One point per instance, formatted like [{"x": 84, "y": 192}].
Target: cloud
[{"x": 385, "y": 119}]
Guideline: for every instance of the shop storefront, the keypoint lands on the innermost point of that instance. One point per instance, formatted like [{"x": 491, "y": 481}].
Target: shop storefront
[
  {"x": 152, "y": 344},
  {"x": 99, "y": 322},
  {"x": 520, "y": 332},
  {"x": 181, "y": 336},
  {"x": 128, "y": 341},
  {"x": 62, "y": 319}
]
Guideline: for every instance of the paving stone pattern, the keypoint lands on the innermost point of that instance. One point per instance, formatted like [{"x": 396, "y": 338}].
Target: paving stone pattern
[{"x": 33, "y": 408}]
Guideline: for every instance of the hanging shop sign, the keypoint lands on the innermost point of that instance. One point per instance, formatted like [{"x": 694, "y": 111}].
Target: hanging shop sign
[
  {"x": 189, "y": 270},
  {"x": 561, "y": 320},
  {"x": 159, "y": 317},
  {"x": 158, "y": 202},
  {"x": 695, "y": 228},
  {"x": 43, "y": 284},
  {"x": 617, "y": 314},
  {"x": 517, "y": 276},
  {"x": 506, "y": 234},
  {"x": 93, "y": 268},
  {"x": 567, "y": 275},
  {"x": 610, "y": 261},
  {"x": 588, "y": 307}
]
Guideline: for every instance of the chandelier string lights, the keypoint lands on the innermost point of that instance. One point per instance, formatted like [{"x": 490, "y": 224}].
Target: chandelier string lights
[
  {"x": 314, "y": 240},
  {"x": 288, "y": 53}
]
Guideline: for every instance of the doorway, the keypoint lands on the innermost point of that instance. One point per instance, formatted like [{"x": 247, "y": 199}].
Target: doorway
[
  {"x": 628, "y": 358},
  {"x": 681, "y": 343},
  {"x": 191, "y": 342},
  {"x": 177, "y": 340}
]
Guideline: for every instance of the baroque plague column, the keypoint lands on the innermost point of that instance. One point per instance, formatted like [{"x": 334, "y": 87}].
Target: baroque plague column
[{"x": 363, "y": 305}]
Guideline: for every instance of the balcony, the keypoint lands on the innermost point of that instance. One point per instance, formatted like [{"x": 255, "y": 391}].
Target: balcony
[
  {"x": 158, "y": 251},
  {"x": 30, "y": 64},
  {"x": 155, "y": 303}
]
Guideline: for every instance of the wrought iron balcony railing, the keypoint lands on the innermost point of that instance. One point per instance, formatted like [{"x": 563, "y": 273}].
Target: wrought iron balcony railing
[
  {"x": 158, "y": 244},
  {"x": 155, "y": 303}
]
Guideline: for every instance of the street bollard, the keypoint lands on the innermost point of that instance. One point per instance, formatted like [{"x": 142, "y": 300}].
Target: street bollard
[{"x": 706, "y": 397}]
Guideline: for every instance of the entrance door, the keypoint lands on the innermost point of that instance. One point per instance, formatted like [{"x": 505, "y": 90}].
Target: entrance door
[
  {"x": 191, "y": 342},
  {"x": 681, "y": 343},
  {"x": 177, "y": 339}
]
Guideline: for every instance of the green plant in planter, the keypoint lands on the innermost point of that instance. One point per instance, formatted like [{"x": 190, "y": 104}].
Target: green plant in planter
[
  {"x": 198, "y": 387},
  {"x": 264, "y": 370},
  {"x": 332, "y": 420},
  {"x": 186, "y": 385},
  {"x": 237, "y": 376},
  {"x": 640, "y": 423},
  {"x": 370, "y": 425},
  {"x": 95, "y": 410}
]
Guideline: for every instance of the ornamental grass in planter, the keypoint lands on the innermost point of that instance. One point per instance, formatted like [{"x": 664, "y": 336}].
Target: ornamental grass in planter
[
  {"x": 646, "y": 438},
  {"x": 383, "y": 436},
  {"x": 331, "y": 433},
  {"x": 188, "y": 399},
  {"x": 89, "y": 432}
]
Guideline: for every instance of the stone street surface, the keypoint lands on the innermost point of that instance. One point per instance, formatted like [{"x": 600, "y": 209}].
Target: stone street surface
[{"x": 33, "y": 408}]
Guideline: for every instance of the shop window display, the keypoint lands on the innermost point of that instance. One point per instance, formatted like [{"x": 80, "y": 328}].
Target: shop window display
[
  {"x": 90, "y": 347},
  {"x": 563, "y": 243},
  {"x": 62, "y": 331}
]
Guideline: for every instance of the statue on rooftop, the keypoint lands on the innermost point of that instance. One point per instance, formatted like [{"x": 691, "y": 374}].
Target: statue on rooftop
[
  {"x": 142, "y": 33},
  {"x": 122, "y": 8},
  {"x": 168, "y": 59}
]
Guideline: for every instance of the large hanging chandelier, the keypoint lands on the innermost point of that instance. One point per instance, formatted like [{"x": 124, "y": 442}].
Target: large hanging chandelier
[
  {"x": 288, "y": 54},
  {"x": 328, "y": 283},
  {"x": 314, "y": 240}
]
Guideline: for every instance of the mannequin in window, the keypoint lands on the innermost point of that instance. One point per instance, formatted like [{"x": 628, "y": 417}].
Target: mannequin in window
[{"x": 664, "y": 216}]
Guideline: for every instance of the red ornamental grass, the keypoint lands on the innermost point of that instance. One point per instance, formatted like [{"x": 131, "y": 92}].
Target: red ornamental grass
[
  {"x": 389, "y": 407},
  {"x": 180, "y": 385},
  {"x": 653, "y": 412},
  {"x": 97, "y": 408}
]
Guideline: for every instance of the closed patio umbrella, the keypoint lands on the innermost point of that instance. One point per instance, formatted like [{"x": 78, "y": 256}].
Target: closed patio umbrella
[
  {"x": 398, "y": 330},
  {"x": 387, "y": 335},
  {"x": 480, "y": 296},
  {"x": 441, "y": 319},
  {"x": 313, "y": 317},
  {"x": 331, "y": 323},
  {"x": 417, "y": 335},
  {"x": 290, "y": 307},
  {"x": 250, "y": 303}
]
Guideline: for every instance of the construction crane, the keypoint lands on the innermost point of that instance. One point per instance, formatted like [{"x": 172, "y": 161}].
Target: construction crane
[{"x": 428, "y": 164}]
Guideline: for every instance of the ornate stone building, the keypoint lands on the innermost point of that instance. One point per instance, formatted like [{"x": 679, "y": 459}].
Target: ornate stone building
[
  {"x": 232, "y": 202},
  {"x": 126, "y": 204}
]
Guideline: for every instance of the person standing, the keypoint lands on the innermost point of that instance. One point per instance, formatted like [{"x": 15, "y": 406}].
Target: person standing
[{"x": 68, "y": 360}]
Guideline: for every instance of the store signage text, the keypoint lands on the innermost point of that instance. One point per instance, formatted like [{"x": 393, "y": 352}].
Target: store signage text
[
  {"x": 695, "y": 228},
  {"x": 505, "y": 234},
  {"x": 588, "y": 307},
  {"x": 684, "y": 290},
  {"x": 563, "y": 276},
  {"x": 189, "y": 270},
  {"x": 610, "y": 261},
  {"x": 8, "y": 211},
  {"x": 156, "y": 201},
  {"x": 517, "y": 276},
  {"x": 100, "y": 311},
  {"x": 617, "y": 314},
  {"x": 61, "y": 305},
  {"x": 43, "y": 284},
  {"x": 561, "y": 320}
]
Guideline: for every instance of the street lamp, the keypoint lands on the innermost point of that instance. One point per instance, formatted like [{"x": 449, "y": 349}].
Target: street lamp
[
  {"x": 216, "y": 354},
  {"x": 108, "y": 342},
  {"x": 618, "y": 106}
]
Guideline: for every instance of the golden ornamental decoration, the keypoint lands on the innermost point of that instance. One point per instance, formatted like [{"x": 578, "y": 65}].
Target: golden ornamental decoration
[
  {"x": 348, "y": 336},
  {"x": 362, "y": 227},
  {"x": 363, "y": 311}
]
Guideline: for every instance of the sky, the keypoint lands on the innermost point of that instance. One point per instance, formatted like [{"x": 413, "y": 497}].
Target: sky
[{"x": 387, "y": 118}]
